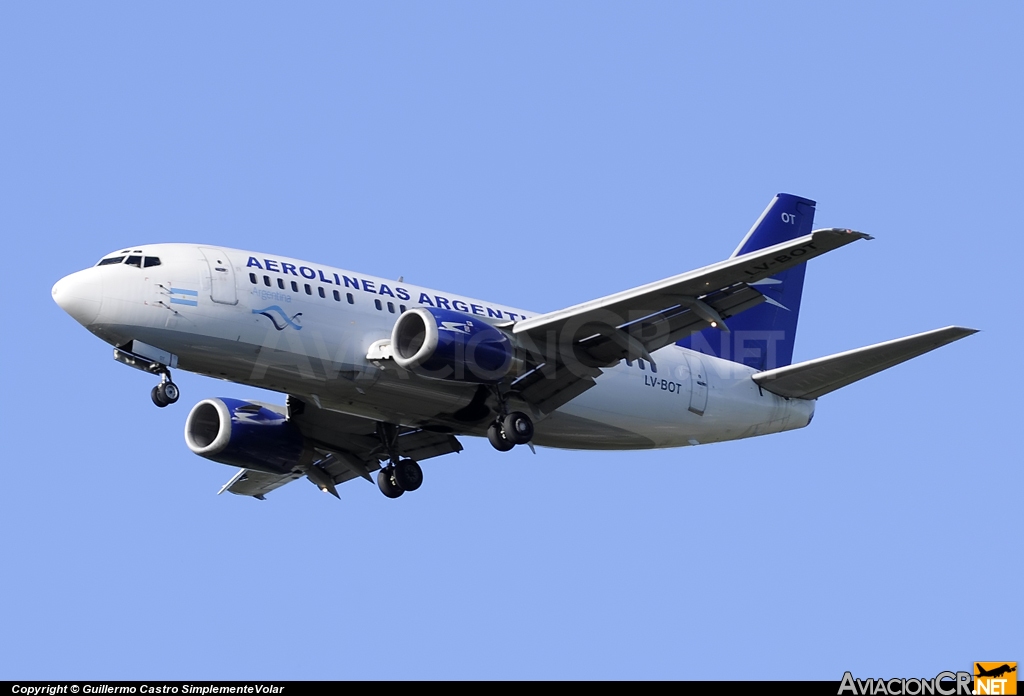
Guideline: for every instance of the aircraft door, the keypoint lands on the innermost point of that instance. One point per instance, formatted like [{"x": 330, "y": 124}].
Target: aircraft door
[
  {"x": 222, "y": 276},
  {"x": 698, "y": 383}
]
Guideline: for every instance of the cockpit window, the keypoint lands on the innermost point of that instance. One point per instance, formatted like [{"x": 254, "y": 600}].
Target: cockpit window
[
  {"x": 151, "y": 261},
  {"x": 111, "y": 260},
  {"x": 134, "y": 261}
]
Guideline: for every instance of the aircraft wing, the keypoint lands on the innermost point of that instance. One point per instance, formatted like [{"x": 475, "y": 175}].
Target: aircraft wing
[
  {"x": 343, "y": 447},
  {"x": 574, "y": 343},
  {"x": 814, "y": 378}
]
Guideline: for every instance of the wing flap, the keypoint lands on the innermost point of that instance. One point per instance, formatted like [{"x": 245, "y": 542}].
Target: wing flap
[
  {"x": 814, "y": 378},
  {"x": 257, "y": 483},
  {"x": 674, "y": 323},
  {"x": 549, "y": 386},
  {"x": 423, "y": 444}
]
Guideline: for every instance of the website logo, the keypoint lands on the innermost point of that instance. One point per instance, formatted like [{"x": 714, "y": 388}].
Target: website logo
[{"x": 995, "y": 678}]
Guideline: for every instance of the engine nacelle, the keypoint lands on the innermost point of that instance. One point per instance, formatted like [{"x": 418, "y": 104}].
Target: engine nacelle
[
  {"x": 449, "y": 345},
  {"x": 243, "y": 434}
]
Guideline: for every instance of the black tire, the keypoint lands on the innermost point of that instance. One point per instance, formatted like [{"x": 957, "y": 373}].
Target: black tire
[
  {"x": 496, "y": 436},
  {"x": 157, "y": 397},
  {"x": 170, "y": 392},
  {"x": 386, "y": 484},
  {"x": 408, "y": 475},
  {"x": 518, "y": 427}
]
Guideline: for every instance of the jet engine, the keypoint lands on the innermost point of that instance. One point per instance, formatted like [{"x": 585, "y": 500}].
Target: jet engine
[
  {"x": 450, "y": 345},
  {"x": 243, "y": 434}
]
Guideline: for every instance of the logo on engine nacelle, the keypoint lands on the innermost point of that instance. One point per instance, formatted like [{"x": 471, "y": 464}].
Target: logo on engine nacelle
[{"x": 464, "y": 327}]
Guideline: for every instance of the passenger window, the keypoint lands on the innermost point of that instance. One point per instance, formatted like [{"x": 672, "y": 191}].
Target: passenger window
[
  {"x": 134, "y": 261},
  {"x": 280, "y": 283},
  {"x": 629, "y": 363},
  {"x": 391, "y": 307},
  {"x": 112, "y": 260},
  {"x": 266, "y": 281},
  {"x": 323, "y": 294},
  {"x": 337, "y": 296},
  {"x": 351, "y": 300},
  {"x": 309, "y": 290},
  {"x": 150, "y": 261},
  {"x": 654, "y": 368},
  {"x": 252, "y": 278},
  {"x": 401, "y": 308},
  {"x": 641, "y": 364},
  {"x": 377, "y": 304},
  {"x": 295, "y": 286}
]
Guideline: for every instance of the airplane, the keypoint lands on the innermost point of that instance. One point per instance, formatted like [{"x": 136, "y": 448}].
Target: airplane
[
  {"x": 380, "y": 375},
  {"x": 995, "y": 672}
]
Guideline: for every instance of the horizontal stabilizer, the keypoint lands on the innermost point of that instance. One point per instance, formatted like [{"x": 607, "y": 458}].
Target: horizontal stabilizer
[{"x": 814, "y": 378}]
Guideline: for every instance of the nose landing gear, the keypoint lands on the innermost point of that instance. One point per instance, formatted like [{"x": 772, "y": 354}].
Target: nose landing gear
[
  {"x": 166, "y": 392},
  {"x": 155, "y": 361}
]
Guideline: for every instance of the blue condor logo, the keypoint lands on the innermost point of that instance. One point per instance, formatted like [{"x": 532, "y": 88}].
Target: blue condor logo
[
  {"x": 275, "y": 313},
  {"x": 373, "y": 287}
]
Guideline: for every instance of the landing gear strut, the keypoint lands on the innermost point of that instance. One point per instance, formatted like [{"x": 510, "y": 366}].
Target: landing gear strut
[
  {"x": 166, "y": 392},
  {"x": 400, "y": 475}
]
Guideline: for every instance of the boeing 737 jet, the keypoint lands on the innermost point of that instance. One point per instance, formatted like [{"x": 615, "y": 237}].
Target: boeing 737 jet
[{"x": 381, "y": 374}]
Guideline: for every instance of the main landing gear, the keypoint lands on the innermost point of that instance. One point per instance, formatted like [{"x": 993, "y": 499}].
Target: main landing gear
[
  {"x": 166, "y": 392},
  {"x": 400, "y": 475},
  {"x": 514, "y": 429},
  {"x": 397, "y": 478}
]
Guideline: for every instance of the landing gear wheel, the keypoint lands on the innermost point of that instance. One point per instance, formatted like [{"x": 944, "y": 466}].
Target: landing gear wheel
[
  {"x": 518, "y": 428},
  {"x": 408, "y": 475},
  {"x": 386, "y": 483},
  {"x": 496, "y": 436},
  {"x": 157, "y": 397},
  {"x": 168, "y": 391}
]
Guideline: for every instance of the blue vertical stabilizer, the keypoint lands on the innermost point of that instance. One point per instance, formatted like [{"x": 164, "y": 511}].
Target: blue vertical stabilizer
[{"x": 763, "y": 337}]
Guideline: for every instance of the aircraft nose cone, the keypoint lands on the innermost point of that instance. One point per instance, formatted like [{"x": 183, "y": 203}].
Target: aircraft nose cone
[{"x": 80, "y": 295}]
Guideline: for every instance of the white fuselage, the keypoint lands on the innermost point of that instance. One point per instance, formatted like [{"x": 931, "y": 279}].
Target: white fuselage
[{"x": 201, "y": 304}]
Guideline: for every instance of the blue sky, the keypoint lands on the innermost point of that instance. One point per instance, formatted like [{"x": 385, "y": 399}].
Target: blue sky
[{"x": 538, "y": 155}]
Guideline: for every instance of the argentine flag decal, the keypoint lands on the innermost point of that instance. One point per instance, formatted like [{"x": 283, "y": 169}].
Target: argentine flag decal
[{"x": 185, "y": 297}]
